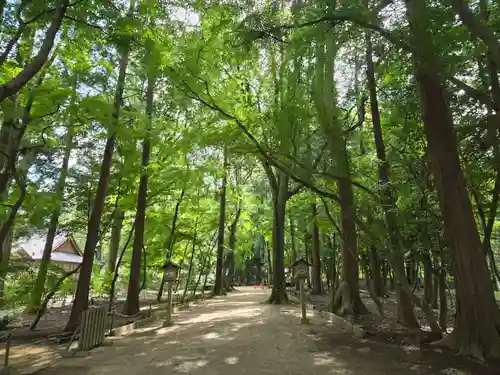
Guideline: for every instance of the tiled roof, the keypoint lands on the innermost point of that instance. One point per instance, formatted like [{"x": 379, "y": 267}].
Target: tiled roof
[{"x": 33, "y": 249}]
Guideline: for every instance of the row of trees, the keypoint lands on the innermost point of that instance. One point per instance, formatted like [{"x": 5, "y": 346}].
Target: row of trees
[{"x": 363, "y": 134}]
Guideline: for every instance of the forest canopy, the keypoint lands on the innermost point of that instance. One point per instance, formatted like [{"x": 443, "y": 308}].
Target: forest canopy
[{"x": 235, "y": 137}]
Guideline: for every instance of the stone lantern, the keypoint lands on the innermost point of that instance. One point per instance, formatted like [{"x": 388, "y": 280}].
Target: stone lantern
[
  {"x": 301, "y": 268},
  {"x": 171, "y": 274}
]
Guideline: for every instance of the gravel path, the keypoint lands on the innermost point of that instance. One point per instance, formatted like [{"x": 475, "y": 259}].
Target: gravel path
[{"x": 238, "y": 334}]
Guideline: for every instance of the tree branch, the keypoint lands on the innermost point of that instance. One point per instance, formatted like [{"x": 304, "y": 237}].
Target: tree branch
[
  {"x": 256, "y": 143},
  {"x": 477, "y": 28},
  {"x": 391, "y": 37},
  {"x": 17, "y": 83}
]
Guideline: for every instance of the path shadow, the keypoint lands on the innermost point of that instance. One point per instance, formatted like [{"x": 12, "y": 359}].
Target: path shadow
[{"x": 240, "y": 335}]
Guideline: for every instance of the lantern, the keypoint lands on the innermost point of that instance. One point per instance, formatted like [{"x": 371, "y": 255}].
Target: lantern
[
  {"x": 171, "y": 271},
  {"x": 301, "y": 268}
]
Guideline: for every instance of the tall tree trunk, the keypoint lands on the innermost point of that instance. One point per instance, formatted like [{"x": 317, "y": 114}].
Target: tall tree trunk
[
  {"x": 5, "y": 250},
  {"x": 219, "y": 282},
  {"x": 114, "y": 243},
  {"x": 493, "y": 68},
  {"x": 435, "y": 291},
  {"x": 36, "y": 295},
  {"x": 184, "y": 253},
  {"x": 347, "y": 296},
  {"x": 292, "y": 242},
  {"x": 206, "y": 262},
  {"x": 83, "y": 285},
  {"x": 477, "y": 323},
  {"x": 334, "y": 275},
  {"x": 209, "y": 269},
  {"x": 202, "y": 270},
  {"x": 269, "y": 265},
  {"x": 378, "y": 284},
  {"x": 428, "y": 284},
  {"x": 349, "y": 288},
  {"x": 170, "y": 242},
  {"x": 190, "y": 269},
  {"x": 278, "y": 294},
  {"x": 2, "y": 8},
  {"x": 230, "y": 256},
  {"x": 132, "y": 302},
  {"x": 443, "y": 303},
  {"x": 406, "y": 313},
  {"x": 307, "y": 257},
  {"x": 315, "y": 250}
]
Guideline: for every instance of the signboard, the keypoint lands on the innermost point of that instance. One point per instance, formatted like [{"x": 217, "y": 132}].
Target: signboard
[
  {"x": 171, "y": 271},
  {"x": 171, "y": 274},
  {"x": 301, "y": 268}
]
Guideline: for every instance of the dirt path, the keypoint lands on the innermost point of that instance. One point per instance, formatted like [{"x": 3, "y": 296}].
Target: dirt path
[{"x": 238, "y": 334}]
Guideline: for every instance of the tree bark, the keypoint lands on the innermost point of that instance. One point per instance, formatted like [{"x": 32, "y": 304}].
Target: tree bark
[
  {"x": 435, "y": 291},
  {"x": 307, "y": 256},
  {"x": 269, "y": 264},
  {"x": 443, "y": 304},
  {"x": 230, "y": 261},
  {"x": 278, "y": 294},
  {"x": 5, "y": 250},
  {"x": 406, "y": 313},
  {"x": 184, "y": 253},
  {"x": 428, "y": 284},
  {"x": 219, "y": 282},
  {"x": 477, "y": 323},
  {"x": 325, "y": 101},
  {"x": 378, "y": 284},
  {"x": 170, "y": 242},
  {"x": 132, "y": 302},
  {"x": 2, "y": 8},
  {"x": 190, "y": 270},
  {"x": 334, "y": 263},
  {"x": 315, "y": 252},
  {"x": 36, "y": 296},
  {"x": 292, "y": 242},
  {"x": 351, "y": 300},
  {"x": 114, "y": 243},
  {"x": 83, "y": 285},
  {"x": 202, "y": 270}
]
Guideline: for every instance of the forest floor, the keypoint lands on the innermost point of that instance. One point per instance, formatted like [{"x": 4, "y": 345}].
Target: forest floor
[
  {"x": 55, "y": 318},
  {"x": 240, "y": 334}
]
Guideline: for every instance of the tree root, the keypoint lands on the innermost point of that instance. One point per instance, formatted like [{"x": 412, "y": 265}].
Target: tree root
[
  {"x": 344, "y": 303},
  {"x": 272, "y": 299},
  {"x": 471, "y": 346}
]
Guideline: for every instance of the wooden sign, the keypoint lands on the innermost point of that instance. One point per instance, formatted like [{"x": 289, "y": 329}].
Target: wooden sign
[
  {"x": 301, "y": 268},
  {"x": 171, "y": 271}
]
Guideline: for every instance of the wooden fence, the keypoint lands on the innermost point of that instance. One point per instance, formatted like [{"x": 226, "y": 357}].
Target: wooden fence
[{"x": 93, "y": 327}]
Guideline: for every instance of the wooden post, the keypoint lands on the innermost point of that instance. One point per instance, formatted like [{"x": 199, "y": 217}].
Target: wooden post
[
  {"x": 303, "y": 302},
  {"x": 168, "y": 320},
  {"x": 301, "y": 267},
  {"x": 7, "y": 349},
  {"x": 112, "y": 323}
]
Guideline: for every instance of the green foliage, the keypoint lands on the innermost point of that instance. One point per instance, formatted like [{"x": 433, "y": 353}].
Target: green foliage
[{"x": 241, "y": 76}]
